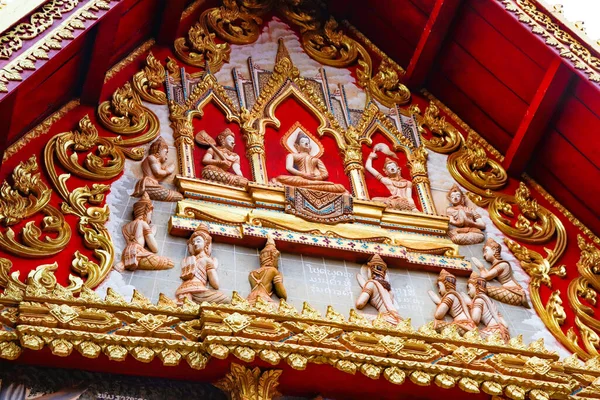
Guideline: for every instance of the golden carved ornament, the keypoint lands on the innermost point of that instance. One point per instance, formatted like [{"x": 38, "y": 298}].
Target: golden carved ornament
[
  {"x": 148, "y": 82},
  {"x": 28, "y": 58},
  {"x": 92, "y": 219},
  {"x": 446, "y": 138},
  {"x": 569, "y": 47},
  {"x": 22, "y": 199},
  {"x": 306, "y": 15},
  {"x": 125, "y": 114},
  {"x": 244, "y": 383},
  {"x": 534, "y": 223},
  {"x": 232, "y": 24},
  {"x": 42, "y": 19},
  {"x": 386, "y": 87},
  {"x": 107, "y": 163},
  {"x": 330, "y": 46},
  {"x": 200, "y": 49},
  {"x": 473, "y": 169},
  {"x": 131, "y": 57},
  {"x": 256, "y": 7}
]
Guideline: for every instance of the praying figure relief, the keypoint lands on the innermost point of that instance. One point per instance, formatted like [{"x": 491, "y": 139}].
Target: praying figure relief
[
  {"x": 400, "y": 189},
  {"x": 484, "y": 310},
  {"x": 306, "y": 169},
  {"x": 220, "y": 159},
  {"x": 376, "y": 290},
  {"x": 452, "y": 304},
  {"x": 267, "y": 279},
  {"x": 140, "y": 251},
  {"x": 468, "y": 225},
  {"x": 155, "y": 168},
  {"x": 510, "y": 292},
  {"x": 199, "y": 270}
]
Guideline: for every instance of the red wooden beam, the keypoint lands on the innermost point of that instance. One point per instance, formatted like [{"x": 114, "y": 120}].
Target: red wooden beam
[
  {"x": 543, "y": 105},
  {"x": 7, "y": 108},
  {"x": 101, "y": 54},
  {"x": 169, "y": 22},
  {"x": 431, "y": 40}
]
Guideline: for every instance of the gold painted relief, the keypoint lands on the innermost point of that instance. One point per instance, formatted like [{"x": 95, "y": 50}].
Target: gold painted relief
[{"x": 212, "y": 188}]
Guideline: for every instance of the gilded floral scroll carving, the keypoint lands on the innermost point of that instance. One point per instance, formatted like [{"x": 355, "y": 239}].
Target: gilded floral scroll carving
[
  {"x": 26, "y": 196},
  {"x": 125, "y": 115},
  {"x": 446, "y": 138},
  {"x": 148, "y": 82}
]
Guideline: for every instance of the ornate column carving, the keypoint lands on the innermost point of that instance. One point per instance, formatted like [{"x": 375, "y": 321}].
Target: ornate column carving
[
  {"x": 353, "y": 163},
  {"x": 255, "y": 152},
  {"x": 183, "y": 132},
  {"x": 417, "y": 161},
  {"x": 249, "y": 384}
]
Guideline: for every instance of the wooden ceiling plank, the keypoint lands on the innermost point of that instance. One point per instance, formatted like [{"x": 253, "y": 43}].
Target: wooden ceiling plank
[
  {"x": 101, "y": 52},
  {"x": 7, "y": 115},
  {"x": 544, "y": 104},
  {"x": 169, "y": 21},
  {"x": 430, "y": 42}
]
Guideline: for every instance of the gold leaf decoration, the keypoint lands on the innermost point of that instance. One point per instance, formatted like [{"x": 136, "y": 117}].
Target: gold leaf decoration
[
  {"x": 199, "y": 49},
  {"x": 24, "y": 198},
  {"x": 245, "y": 383},
  {"x": 534, "y": 224},
  {"x": 232, "y": 24},
  {"x": 124, "y": 114},
  {"x": 150, "y": 80}
]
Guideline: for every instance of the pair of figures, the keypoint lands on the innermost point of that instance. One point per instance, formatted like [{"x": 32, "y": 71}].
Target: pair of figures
[
  {"x": 141, "y": 247},
  {"x": 308, "y": 171},
  {"x": 201, "y": 282},
  {"x": 467, "y": 312}
]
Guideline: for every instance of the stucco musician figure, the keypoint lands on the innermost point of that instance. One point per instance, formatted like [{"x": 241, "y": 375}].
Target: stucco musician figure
[
  {"x": 451, "y": 303},
  {"x": 221, "y": 162},
  {"x": 306, "y": 169},
  {"x": 140, "y": 251},
  {"x": 376, "y": 290},
  {"x": 483, "y": 310},
  {"x": 509, "y": 291},
  {"x": 400, "y": 189},
  {"x": 467, "y": 224},
  {"x": 267, "y": 279},
  {"x": 155, "y": 169},
  {"x": 199, "y": 270}
]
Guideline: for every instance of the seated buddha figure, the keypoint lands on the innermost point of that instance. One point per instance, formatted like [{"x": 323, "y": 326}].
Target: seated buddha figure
[
  {"x": 400, "y": 189},
  {"x": 376, "y": 290},
  {"x": 267, "y": 279},
  {"x": 451, "y": 303},
  {"x": 306, "y": 171},
  {"x": 199, "y": 270},
  {"x": 467, "y": 223}
]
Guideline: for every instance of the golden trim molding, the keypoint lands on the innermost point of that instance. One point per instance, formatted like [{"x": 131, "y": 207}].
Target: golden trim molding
[
  {"x": 41, "y": 20},
  {"x": 580, "y": 56},
  {"x": 11, "y": 72},
  {"x": 138, "y": 51},
  {"x": 42, "y": 314},
  {"x": 41, "y": 129}
]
